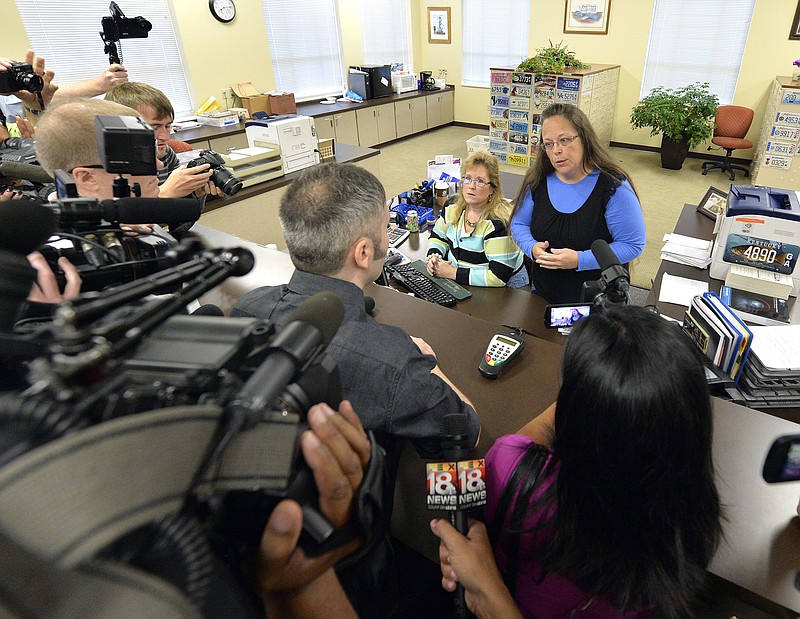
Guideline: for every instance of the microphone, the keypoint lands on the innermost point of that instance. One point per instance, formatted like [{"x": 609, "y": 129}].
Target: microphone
[
  {"x": 26, "y": 172},
  {"x": 23, "y": 227},
  {"x": 306, "y": 333},
  {"x": 613, "y": 274},
  {"x": 369, "y": 305},
  {"x": 456, "y": 447},
  {"x": 151, "y": 210}
]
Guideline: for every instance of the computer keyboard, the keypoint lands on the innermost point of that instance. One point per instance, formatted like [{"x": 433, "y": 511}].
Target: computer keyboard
[{"x": 422, "y": 286}]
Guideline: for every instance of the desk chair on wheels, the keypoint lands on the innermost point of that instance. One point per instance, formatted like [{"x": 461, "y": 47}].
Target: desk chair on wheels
[{"x": 730, "y": 126}]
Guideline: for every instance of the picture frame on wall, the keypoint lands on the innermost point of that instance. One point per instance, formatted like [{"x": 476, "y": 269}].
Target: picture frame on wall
[
  {"x": 582, "y": 17},
  {"x": 713, "y": 203},
  {"x": 794, "y": 33},
  {"x": 438, "y": 24}
]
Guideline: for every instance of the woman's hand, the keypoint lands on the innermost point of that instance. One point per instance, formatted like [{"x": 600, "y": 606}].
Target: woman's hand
[
  {"x": 469, "y": 561},
  {"x": 555, "y": 258},
  {"x": 438, "y": 267}
]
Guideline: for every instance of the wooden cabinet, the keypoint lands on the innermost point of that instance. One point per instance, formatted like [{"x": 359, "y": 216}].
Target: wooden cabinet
[
  {"x": 376, "y": 125},
  {"x": 517, "y": 98},
  {"x": 775, "y": 162},
  {"x": 411, "y": 116},
  {"x": 439, "y": 108},
  {"x": 341, "y": 127}
]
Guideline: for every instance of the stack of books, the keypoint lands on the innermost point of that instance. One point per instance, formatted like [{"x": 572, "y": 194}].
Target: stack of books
[
  {"x": 719, "y": 333},
  {"x": 760, "y": 309},
  {"x": 761, "y": 281}
]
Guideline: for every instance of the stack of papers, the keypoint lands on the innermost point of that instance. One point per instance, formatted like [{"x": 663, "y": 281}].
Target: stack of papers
[{"x": 687, "y": 250}]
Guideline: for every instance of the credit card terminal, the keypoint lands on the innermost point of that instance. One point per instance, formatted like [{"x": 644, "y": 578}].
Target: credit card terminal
[{"x": 502, "y": 349}]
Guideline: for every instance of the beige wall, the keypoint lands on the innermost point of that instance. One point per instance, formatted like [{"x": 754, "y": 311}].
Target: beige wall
[{"x": 217, "y": 55}]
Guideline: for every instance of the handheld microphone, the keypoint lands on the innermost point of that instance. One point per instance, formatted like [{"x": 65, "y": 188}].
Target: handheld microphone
[
  {"x": 208, "y": 309},
  {"x": 305, "y": 334},
  {"x": 456, "y": 447},
  {"x": 613, "y": 275},
  {"x": 369, "y": 305}
]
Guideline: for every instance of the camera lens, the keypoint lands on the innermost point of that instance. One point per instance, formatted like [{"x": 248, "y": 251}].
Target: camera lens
[
  {"x": 30, "y": 82},
  {"x": 226, "y": 181}
]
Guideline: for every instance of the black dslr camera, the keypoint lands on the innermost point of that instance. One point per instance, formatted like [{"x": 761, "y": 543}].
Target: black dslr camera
[
  {"x": 117, "y": 27},
  {"x": 221, "y": 176},
  {"x": 20, "y": 77}
]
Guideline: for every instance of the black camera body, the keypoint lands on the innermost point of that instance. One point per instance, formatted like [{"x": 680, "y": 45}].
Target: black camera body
[
  {"x": 221, "y": 176},
  {"x": 20, "y": 76},
  {"x": 117, "y": 27},
  {"x": 126, "y": 145},
  {"x": 101, "y": 252}
]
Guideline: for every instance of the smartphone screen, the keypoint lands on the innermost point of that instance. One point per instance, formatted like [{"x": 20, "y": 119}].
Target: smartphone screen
[
  {"x": 565, "y": 314},
  {"x": 783, "y": 460}
]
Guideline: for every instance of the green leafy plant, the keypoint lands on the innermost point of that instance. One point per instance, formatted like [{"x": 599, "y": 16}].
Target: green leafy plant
[
  {"x": 684, "y": 114},
  {"x": 551, "y": 59}
]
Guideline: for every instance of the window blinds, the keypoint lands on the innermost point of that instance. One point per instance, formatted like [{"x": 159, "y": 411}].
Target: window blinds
[
  {"x": 385, "y": 31},
  {"x": 495, "y": 34},
  {"x": 697, "y": 42},
  {"x": 66, "y": 34},
  {"x": 305, "y": 47}
]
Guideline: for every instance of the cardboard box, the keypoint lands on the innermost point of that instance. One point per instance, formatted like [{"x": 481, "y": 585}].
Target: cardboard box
[
  {"x": 252, "y": 100},
  {"x": 281, "y": 104}
]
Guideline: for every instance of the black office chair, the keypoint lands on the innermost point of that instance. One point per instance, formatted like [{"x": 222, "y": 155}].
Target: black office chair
[{"x": 730, "y": 126}]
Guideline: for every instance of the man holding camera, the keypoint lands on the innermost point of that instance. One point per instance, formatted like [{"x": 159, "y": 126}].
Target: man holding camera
[{"x": 154, "y": 107}]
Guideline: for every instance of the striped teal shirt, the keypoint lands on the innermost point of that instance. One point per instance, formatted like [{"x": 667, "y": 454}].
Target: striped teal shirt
[{"x": 486, "y": 257}]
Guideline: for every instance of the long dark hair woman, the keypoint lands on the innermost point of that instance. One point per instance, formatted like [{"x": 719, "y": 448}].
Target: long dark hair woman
[
  {"x": 605, "y": 505},
  {"x": 574, "y": 194}
]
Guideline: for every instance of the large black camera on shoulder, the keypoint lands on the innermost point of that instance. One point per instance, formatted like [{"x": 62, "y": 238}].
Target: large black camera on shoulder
[
  {"x": 20, "y": 76},
  {"x": 142, "y": 432},
  {"x": 221, "y": 176}
]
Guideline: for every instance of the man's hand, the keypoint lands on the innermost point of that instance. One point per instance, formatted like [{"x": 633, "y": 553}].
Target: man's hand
[
  {"x": 337, "y": 450},
  {"x": 25, "y": 127},
  {"x": 423, "y": 346},
  {"x": 111, "y": 76},
  {"x": 29, "y": 98},
  {"x": 10, "y": 194},
  {"x": 185, "y": 181},
  {"x": 46, "y": 290}
]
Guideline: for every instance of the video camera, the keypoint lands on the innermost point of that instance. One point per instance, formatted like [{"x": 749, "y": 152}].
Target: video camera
[
  {"x": 20, "y": 76},
  {"x": 189, "y": 425},
  {"x": 117, "y": 27},
  {"x": 88, "y": 231}
]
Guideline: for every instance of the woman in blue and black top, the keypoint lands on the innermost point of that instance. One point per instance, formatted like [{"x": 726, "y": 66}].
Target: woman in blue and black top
[
  {"x": 471, "y": 242},
  {"x": 573, "y": 195}
]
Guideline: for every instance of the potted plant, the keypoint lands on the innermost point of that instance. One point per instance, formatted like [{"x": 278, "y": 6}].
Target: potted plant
[
  {"x": 553, "y": 59},
  {"x": 684, "y": 116}
]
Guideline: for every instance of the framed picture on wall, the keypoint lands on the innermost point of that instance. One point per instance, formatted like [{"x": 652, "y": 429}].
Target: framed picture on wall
[
  {"x": 713, "y": 203},
  {"x": 438, "y": 24},
  {"x": 794, "y": 33},
  {"x": 586, "y": 17}
]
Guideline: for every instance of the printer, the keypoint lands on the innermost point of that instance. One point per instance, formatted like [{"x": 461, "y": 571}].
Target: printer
[
  {"x": 761, "y": 229},
  {"x": 294, "y": 134}
]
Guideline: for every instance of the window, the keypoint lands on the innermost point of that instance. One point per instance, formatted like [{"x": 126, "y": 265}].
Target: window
[
  {"x": 305, "y": 48},
  {"x": 495, "y": 35},
  {"x": 66, "y": 34},
  {"x": 691, "y": 42},
  {"x": 385, "y": 32}
]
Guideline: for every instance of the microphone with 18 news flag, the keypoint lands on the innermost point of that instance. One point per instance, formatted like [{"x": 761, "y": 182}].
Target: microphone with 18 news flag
[{"x": 457, "y": 485}]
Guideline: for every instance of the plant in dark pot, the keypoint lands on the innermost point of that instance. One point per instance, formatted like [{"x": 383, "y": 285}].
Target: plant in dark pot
[{"x": 683, "y": 116}]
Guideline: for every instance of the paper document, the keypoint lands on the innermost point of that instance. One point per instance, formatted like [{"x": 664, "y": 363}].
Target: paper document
[
  {"x": 680, "y": 290},
  {"x": 777, "y": 348},
  {"x": 686, "y": 250}
]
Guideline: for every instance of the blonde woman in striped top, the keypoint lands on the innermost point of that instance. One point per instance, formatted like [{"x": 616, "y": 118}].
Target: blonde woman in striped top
[{"x": 471, "y": 242}]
